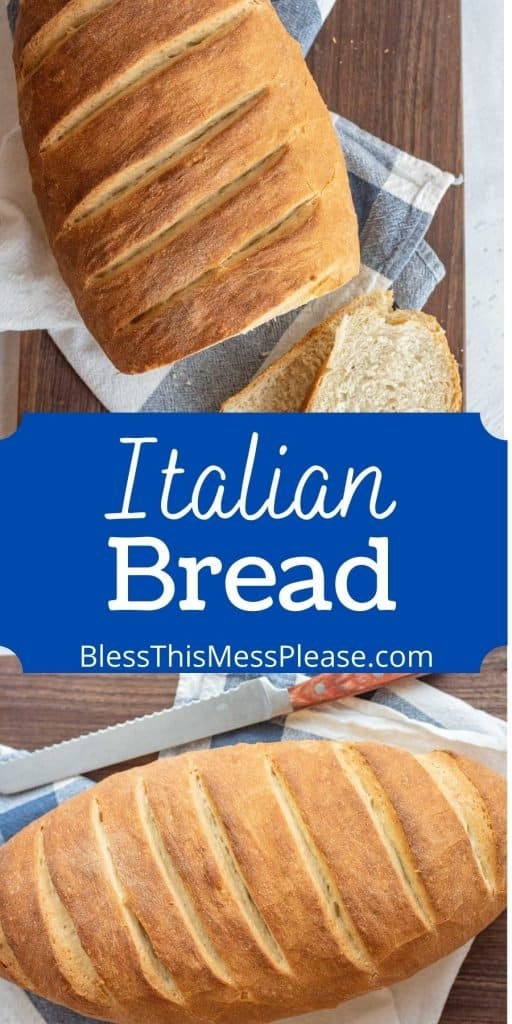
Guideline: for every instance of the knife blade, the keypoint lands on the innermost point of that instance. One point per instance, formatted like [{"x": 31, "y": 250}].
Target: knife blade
[{"x": 247, "y": 704}]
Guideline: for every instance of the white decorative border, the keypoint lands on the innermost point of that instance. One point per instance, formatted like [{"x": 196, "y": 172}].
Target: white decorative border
[{"x": 483, "y": 65}]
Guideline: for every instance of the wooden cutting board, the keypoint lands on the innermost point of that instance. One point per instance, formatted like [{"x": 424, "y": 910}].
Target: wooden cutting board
[{"x": 393, "y": 67}]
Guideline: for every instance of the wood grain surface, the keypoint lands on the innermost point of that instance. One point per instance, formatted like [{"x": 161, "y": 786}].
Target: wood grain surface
[
  {"x": 38, "y": 710},
  {"x": 393, "y": 67}
]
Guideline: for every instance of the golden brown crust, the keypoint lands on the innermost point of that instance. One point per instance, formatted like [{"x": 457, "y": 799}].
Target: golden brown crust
[
  {"x": 493, "y": 791},
  {"x": 33, "y": 15},
  {"x": 193, "y": 141},
  {"x": 165, "y": 895},
  {"x": 23, "y": 924},
  {"x": 102, "y": 934},
  {"x": 440, "y": 846}
]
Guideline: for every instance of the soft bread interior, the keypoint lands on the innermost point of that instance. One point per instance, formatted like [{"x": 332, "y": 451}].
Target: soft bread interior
[
  {"x": 286, "y": 384},
  {"x": 385, "y": 361},
  {"x": 364, "y": 358}
]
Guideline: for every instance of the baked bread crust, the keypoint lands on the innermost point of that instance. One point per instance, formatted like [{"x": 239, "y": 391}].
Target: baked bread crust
[
  {"x": 190, "y": 180},
  {"x": 165, "y": 895}
]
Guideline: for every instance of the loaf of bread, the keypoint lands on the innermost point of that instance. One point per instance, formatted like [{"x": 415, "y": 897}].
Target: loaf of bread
[
  {"x": 364, "y": 358},
  {"x": 190, "y": 180},
  {"x": 252, "y": 883}
]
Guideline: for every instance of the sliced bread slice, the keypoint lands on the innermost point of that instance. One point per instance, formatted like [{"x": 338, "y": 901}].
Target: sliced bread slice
[
  {"x": 286, "y": 384},
  {"x": 387, "y": 361}
]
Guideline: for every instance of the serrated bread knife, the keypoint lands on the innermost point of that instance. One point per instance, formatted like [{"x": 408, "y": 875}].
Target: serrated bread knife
[{"x": 250, "y": 703}]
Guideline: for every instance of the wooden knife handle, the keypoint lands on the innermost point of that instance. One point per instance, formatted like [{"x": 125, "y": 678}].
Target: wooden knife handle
[{"x": 327, "y": 687}]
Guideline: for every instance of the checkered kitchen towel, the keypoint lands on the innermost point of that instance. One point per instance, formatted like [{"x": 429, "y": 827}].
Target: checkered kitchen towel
[
  {"x": 411, "y": 715},
  {"x": 395, "y": 196}
]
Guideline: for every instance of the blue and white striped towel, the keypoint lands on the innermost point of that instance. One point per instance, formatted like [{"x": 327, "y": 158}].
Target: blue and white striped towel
[
  {"x": 411, "y": 715},
  {"x": 396, "y": 197}
]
